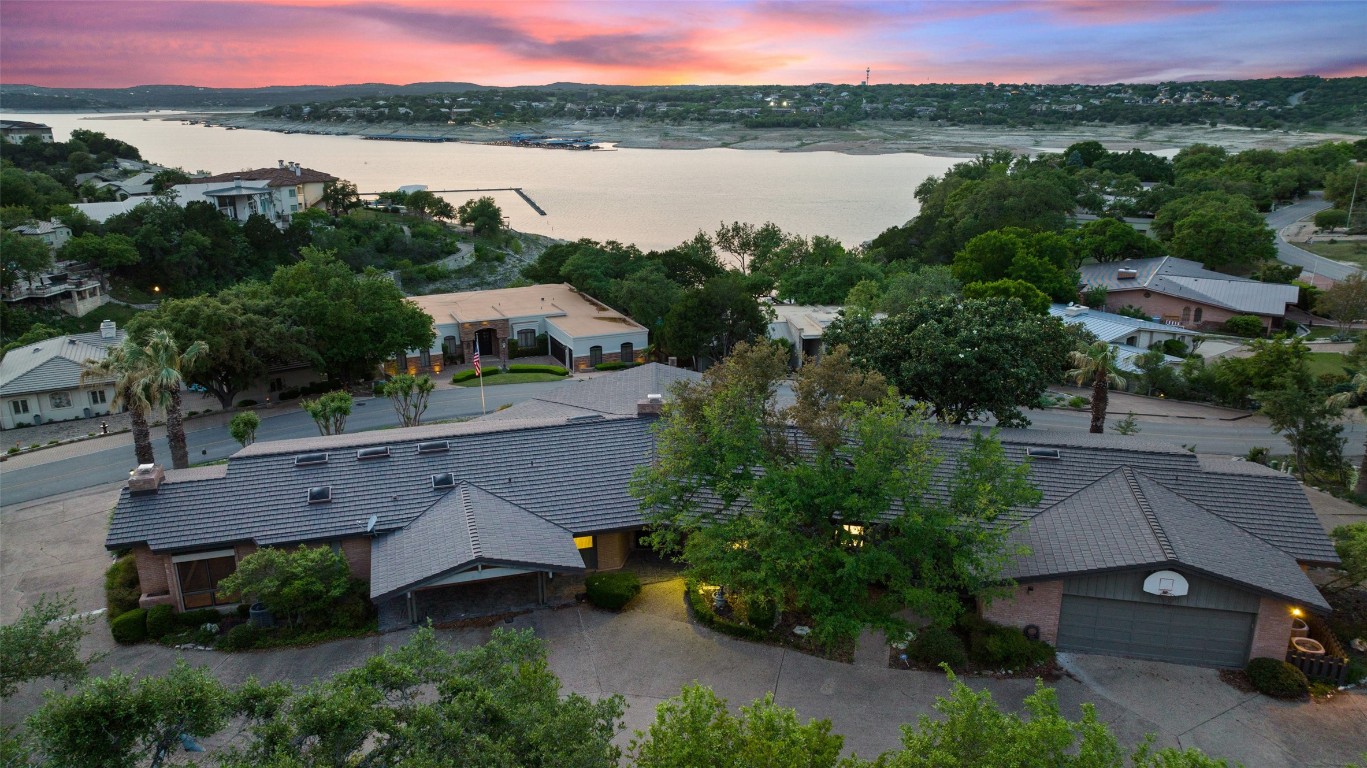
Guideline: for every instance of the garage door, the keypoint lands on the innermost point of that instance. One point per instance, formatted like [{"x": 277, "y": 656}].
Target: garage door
[{"x": 1155, "y": 631}]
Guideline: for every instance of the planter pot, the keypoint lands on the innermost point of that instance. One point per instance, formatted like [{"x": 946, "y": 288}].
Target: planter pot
[
  {"x": 1299, "y": 628},
  {"x": 259, "y": 616}
]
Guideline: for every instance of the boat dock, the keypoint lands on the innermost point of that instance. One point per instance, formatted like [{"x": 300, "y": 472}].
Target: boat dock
[
  {"x": 407, "y": 137},
  {"x": 518, "y": 190}
]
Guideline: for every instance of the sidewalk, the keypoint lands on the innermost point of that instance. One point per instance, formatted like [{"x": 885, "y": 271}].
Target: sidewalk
[{"x": 1122, "y": 403}]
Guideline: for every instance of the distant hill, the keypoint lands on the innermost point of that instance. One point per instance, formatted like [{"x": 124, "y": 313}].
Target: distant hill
[{"x": 40, "y": 99}]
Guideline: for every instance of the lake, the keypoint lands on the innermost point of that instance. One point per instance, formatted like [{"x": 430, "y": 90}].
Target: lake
[{"x": 651, "y": 197}]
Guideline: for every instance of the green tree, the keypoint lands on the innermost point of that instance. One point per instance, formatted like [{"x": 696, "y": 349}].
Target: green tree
[
  {"x": 43, "y": 643},
  {"x": 409, "y": 395},
  {"x": 1096, "y": 366},
  {"x": 1345, "y": 301},
  {"x": 1331, "y": 218},
  {"x": 295, "y": 585},
  {"x": 115, "y": 722},
  {"x": 964, "y": 359},
  {"x": 1222, "y": 231},
  {"x": 929, "y": 282},
  {"x": 329, "y": 412},
  {"x": 1108, "y": 240},
  {"x": 1299, "y": 410},
  {"x": 341, "y": 197},
  {"x": 243, "y": 427},
  {"x": 1027, "y": 294},
  {"x": 1350, "y": 542},
  {"x": 1043, "y": 259},
  {"x": 429, "y": 204},
  {"x": 24, "y": 258},
  {"x": 481, "y": 215},
  {"x": 106, "y": 252},
  {"x": 708, "y": 322},
  {"x": 164, "y": 180},
  {"x": 35, "y": 333},
  {"x": 647, "y": 296},
  {"x": 752, "y": 248},
  {"x": 162, "y": 361},
  {"x": 353, "y": 322},
  {"x": 812, "y": 516},
  {"x": 1355, "y": 397},
  {"x": 697, "y": 728},
  {"x": 1127, "y": 426},
  {"x": 124, "y": 363}
]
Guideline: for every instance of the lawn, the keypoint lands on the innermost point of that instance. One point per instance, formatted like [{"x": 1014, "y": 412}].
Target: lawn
[
  {"x": 513, "y": 378},
  {"x": 1325, "y": 362},
  {"x": 1350, "y": 252}
]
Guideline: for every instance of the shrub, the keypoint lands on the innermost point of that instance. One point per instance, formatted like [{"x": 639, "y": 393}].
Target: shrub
[
  {"x": 470, "y": 375},
  {"x": 612, "y": 590},
  {"x": 525, "y": 368},
  {"x": 197, "y": 619},
  {"x": 761, "y": 613},
  {"x": 295, "y": 585},
  {"x": 1176, "y": 348},
  {"x": 241, "y": 637},
  {"x": 702, "y": 611},
  {"x": 13, "y": 449},
  {"x": 613, "y": 366},
  {"x": 937, "y": 645},
  {"x": 1077, "y": 401},
  {"x": 130, "y": 627},
  {"x": 1357, "y": 672},
  {"x": 1277, "y": 678},
  {"x": 121, "y": 587},
  {"x": 161, "y": 620},
  {"x": 289, "y": 394},
  {"x": 1244, "y": 325},
  {"x": 1008, "y": 648},
  {"x": 246, "y": 403}
]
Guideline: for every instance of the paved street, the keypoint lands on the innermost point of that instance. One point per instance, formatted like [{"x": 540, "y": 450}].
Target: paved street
[{"x": 1290, "y": 254}]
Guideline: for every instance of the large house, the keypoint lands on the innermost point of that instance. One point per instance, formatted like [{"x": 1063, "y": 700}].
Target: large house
[
  {"x": 1137, "y": 548},
  {"x": 1181, "y": 292},
  {"x": 73, "y": 287},
  {"x": 1131, "y": 337},
  {"x": 579, "y": 330},
  {"x": 15, "y": 131},
  {"x": 42, "y": 382},
  {"x": 276, "y": 193},
  {"x": 53, "y": 233}
]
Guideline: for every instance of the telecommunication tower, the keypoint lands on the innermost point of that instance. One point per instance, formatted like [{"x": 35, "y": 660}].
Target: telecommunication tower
[{"x": 867, "y": 72}]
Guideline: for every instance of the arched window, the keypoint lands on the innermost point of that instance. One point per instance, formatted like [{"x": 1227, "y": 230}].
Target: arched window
[
  {"x": 1197, "y": 316},
  {"x": 628, "y": 353},
  {"x": 1186, "y": 314},
  {"x": 595, "y": 355}
]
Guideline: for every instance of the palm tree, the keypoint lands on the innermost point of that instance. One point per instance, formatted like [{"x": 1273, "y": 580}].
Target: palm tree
[
  {"x": 123, "y": 363},
  {"x": 1357, "y": 396},
  {"x": 1098, "y": 365},
  {"x": 162, "y": 364}
]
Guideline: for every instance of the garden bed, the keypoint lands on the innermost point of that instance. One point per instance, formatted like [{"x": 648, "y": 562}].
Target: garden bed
[
  {"x": 728, "y": 622},
  {"x": 975, "y": 646}
]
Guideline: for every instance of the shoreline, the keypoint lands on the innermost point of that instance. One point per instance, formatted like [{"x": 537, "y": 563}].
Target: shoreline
[{"x": 866, "y": 138}]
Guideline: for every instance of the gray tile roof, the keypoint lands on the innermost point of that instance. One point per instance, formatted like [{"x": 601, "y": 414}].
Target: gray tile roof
[
  {"x": 1128, "y": 520},
  {"x": 52, "y": 365},
  {"x": 613, "y": 394},
  {"x": 468, "y": 526},
  {"x": 1190, "y": 280}
]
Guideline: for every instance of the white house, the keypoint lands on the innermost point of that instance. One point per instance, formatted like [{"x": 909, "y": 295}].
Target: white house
[
  {"x": 42, "y": 382},
  {"x": 802, "y": 326},
  {"x": 53, "y": 232},
  {"x": 1130, "y": 336},
  {"x": 15, "y": 131},
  {"x": 581, "y": 331},
  {"x": 277, "y": 193}
]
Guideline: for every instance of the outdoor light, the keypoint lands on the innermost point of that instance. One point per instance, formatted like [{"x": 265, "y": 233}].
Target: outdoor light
[{"x": 1295, "y": 612}]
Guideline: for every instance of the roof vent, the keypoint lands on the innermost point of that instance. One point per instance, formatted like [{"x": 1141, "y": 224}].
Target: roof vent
[
  {"x": 1042, "y": 453},
  {"x": 434, "y": 446},
  {"x": 585, "y": 418},
  {"x": 1125, "y": 273},
  {"x": 378, "y": 452},
  {"x": 309, "y": 459},
  {"x": 443, "y": 481},
  {"x": 320, "y": 494}
]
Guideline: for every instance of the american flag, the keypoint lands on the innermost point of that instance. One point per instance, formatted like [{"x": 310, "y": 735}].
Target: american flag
[{"x": 477, "y": 361}]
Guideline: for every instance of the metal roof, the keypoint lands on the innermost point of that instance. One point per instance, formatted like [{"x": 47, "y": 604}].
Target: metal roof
[
  {"x": 1108, "y": 326},
  {"x": 54, "y": 364},
  {"x": 1190, "y": 280}
]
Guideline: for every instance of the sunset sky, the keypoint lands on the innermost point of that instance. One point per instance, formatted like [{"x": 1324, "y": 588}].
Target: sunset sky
[{"x": 245, "y": 43}]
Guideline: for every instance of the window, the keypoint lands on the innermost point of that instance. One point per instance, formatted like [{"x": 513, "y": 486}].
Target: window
[
  {"x": 425, "y": 359},
  {"x": 434, "y": 446},
  {"x": 1186, "y": 314},
  {"x": 61, "y": 399},
  {"x": 19, "y": 407},
  {"x": 98, "y": 397},
  {"x": 1197, "y": 317},
  {"x": 526, "y": 338},
  {"x": 595, "y": 355},
  {"x": 320, "y": 494},
  {"x": 199, "y": 581},
  {"x": 377, "y": 452},
  {"x": 585, "y": 545},
  {"x": 628, "y": 353},
  {"x": 443, "y": 480},
  {"x": 294, "y": 193}
]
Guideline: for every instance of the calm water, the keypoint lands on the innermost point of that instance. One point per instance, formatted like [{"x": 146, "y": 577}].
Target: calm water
[{"x": 654, "y": 198}]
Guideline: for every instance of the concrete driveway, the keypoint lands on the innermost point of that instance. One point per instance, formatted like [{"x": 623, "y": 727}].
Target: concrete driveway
[{"x": 648, "y": 652}]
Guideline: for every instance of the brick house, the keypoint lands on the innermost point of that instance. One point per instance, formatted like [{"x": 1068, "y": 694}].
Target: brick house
[
  {"x": 1181, "y": 292},
  {"x": 509, "y": 510},
  {"x": 580, "y": 331}
]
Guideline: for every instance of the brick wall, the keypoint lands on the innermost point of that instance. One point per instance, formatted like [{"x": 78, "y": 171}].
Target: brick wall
[
  {"x": 502, "y": 331},
  {"x": 1170, "y": 308},
  {"x": 1038, "y": 603},
  {"x": 612, "y": 550},
  {"x": 1272, "y": 632},
  {"x": 154, "y": 571},
  {"x": 242, "y": 550},
  {"x": 581, "y": 362},
  {"x": 357, "y": 553}
]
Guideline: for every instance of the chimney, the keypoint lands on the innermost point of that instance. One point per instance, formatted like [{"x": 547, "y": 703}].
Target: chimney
[
  {"x": 1125, "y": 273},
  {"x": 281, "y": 163},
  {"x": 297, "y": 170},
  {"x": 673, "y": 362},
  {"x": 650, "y": 407},
  {"x": 145, "y": 480},
  {"x": 108, "y": 329}
]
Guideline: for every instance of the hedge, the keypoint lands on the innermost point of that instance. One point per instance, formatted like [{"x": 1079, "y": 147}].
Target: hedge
[
  {"x": 937, "y": 645},
  {"x": 613, "y": 366},
  {"x": 197, "y": 619},
  {"x": 470, "y": 374},
  {"x": 1277, "y": 678},
  {"x": 130, "y": 627},
  {"x": 701, "y": 609},
  {"x": 525, "y": 368},
  {"x": 121, "y": 587},
  {"x": 612, "y": 590},
  {"x": 161, "y": 621}
]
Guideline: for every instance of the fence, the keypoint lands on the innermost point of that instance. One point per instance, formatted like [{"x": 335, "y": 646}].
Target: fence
[{"x": 1332, "y": 665}]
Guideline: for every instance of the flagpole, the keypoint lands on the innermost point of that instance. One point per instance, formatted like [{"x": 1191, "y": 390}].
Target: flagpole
[{"x": 482, "y": 409}]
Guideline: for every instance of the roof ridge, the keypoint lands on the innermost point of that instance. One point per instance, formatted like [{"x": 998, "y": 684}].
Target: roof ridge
[
  {"x": 1155, "y": 527},
  {"x": 471, "y": 530},
  {"x": 1028, "y": 518},
  {"x": 511, "y": 503}
]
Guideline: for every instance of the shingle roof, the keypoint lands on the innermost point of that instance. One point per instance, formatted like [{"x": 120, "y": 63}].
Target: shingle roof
[
  {"x": 1127, "y": 520},
  {"x": 52, "y": 365},
  {"x": 468, "y": 526},
  {"x": 274, "y": 177},
  {"x": 1190, "y": 280},
  {"x": 616, "y": 393}
]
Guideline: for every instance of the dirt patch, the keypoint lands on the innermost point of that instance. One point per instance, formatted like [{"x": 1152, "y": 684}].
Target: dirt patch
[{"x": 1238, "y": 680}]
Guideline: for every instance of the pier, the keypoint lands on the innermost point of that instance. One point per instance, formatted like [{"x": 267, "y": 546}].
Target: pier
[{"x": 518, "y": 190}]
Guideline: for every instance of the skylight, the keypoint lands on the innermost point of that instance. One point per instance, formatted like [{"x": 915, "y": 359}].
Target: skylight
[
  {"x": 320, "y": 494},
  {"x": 1042, "y": 453},
  {"x": 434, "y": 446},
  {"x": 306, "y": 459},
  {"x": 373, "y": 453},
  {"x": 443, "y": 481}
]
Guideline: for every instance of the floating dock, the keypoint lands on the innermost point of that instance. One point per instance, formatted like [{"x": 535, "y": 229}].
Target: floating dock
[
  {"x": 408, "y": 137},
  {"x": 518, "y": 190}
]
